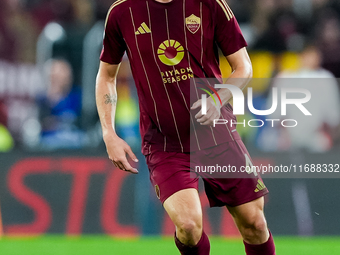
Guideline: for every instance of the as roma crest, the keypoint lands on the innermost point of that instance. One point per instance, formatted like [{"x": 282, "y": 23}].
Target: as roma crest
[{"x": 193, "y": 23}]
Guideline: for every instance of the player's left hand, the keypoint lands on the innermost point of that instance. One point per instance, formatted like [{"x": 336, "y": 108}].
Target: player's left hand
[{"x": 213, "y": 112}]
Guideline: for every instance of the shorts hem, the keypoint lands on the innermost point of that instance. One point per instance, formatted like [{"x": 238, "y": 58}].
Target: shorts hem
[
  {"x": 241, "y": 202},
  {"x": 164, "y": 198}
]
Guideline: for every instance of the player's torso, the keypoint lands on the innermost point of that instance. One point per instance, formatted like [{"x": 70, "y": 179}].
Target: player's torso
[{"x": 168, "y": 44}]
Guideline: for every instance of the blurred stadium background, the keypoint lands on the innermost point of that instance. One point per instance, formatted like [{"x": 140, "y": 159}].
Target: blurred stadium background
[{"x": 58, "y": 192}]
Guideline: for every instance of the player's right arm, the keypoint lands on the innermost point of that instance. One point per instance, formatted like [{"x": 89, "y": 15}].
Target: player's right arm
[{"x": 106, "y": 100}]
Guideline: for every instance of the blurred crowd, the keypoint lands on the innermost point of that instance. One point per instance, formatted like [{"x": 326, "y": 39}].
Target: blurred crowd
[
  {"x": 21, "y": 22},
  {"x": 286, "y": 38},
  {"x": 288, "y": 25}
]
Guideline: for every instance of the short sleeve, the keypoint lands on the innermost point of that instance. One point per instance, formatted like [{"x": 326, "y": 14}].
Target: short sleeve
[
  {"x": 228, "y": 34},
  {"x": 113, "y": 43}
]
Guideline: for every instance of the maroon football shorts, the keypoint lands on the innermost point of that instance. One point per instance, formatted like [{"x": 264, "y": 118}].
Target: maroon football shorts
[{"x": 226, "y": 183}]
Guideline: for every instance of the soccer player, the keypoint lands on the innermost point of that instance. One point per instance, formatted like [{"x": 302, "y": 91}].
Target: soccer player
[{"x": 168, "y": 42}]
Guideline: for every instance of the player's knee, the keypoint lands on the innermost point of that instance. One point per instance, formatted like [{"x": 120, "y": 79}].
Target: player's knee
[
  {"x": 189, "y": 227},
  {"x": 189, "y": 232},
  {"x": 260, "y": 224},
  {"x": 253, "y": 228}
]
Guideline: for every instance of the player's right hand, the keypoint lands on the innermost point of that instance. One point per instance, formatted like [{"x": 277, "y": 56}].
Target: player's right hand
[{"x": 117, "y": 149}]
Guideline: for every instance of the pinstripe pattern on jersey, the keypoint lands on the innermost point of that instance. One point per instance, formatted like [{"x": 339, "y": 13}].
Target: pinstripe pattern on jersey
[
  {"x": 189, "y": 62},
  {"x": 166, "y": 91},
  {"x": 194, "y": 80},
  {"x": 179, "y": 88},
  {"x": 202, "y": 53},
  {"x": 146, "y": 75}
]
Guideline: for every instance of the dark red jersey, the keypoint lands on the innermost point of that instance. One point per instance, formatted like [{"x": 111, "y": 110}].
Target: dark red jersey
[{"x": 168, "y": 44}]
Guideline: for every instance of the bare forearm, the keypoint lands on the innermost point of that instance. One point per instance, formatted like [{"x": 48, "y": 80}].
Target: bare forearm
[
  {"x": 106, "y": 100},
  {"x": 106, "y": 97},
  {"x": 242, "y": 73},
  {"x": 239, "y": 78}
]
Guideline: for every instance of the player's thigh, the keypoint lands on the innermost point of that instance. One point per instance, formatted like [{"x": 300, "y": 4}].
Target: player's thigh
[
  {"x": 184, "y": 208},
  {"x": 249, "y": 214}
]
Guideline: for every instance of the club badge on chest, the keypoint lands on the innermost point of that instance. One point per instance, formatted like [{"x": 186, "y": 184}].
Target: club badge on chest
[{"x": 193, "y": 23}]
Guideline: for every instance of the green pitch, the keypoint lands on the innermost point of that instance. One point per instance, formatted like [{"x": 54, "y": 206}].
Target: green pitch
[{"x": 101, "y": 245}]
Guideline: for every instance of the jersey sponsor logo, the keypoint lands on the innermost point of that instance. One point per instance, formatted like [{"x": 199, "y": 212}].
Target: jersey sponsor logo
[
  {"x": 170, "y": 52},
  {"x": 193, "y": 23},
  {"x": 177, "y": 75},
  {"x": 143, "y": 29}
]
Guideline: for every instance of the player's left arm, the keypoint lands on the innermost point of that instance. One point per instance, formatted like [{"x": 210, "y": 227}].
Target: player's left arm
[
  {"x": 230, "y": 40},
  {"x": 241, "y": 74}
]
